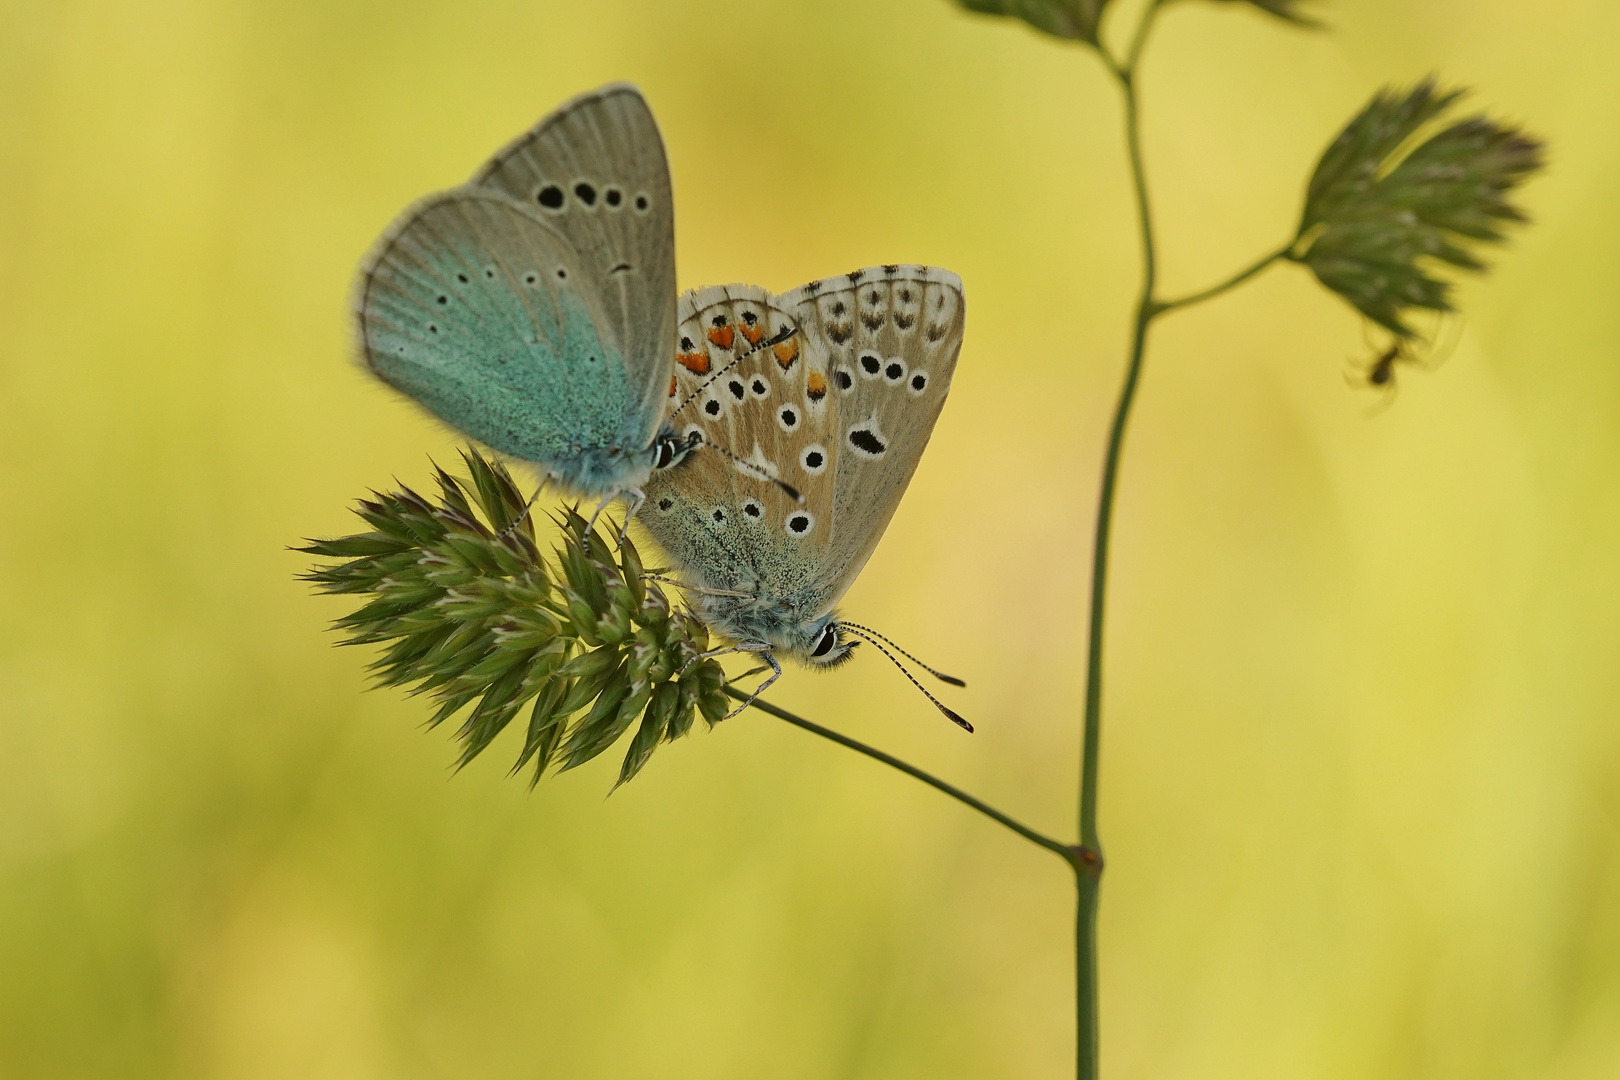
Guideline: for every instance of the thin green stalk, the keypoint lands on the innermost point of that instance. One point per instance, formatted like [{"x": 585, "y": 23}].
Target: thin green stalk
[
  {"x": 1088, "y": 865},
  {"x": 1062, "y": 850},
  {"x": 1088, "y": 855}
]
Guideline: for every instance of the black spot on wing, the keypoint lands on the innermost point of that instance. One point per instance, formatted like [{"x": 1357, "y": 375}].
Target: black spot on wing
[{"x": 867, "y": 440}]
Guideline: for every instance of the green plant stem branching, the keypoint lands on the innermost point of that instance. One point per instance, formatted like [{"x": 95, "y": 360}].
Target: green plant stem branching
[
  {"x": 1088, "y": 861},
  {"x": 472, "y": 612}
]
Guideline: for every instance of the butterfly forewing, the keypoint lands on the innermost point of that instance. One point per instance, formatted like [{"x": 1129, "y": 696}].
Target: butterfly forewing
[
  {"x": 891, "y": 335},
  {"x": 595, "y": 170}
]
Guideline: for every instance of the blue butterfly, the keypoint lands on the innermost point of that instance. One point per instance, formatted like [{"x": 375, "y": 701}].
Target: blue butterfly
[
  {"x": 533, "y": 308},
  {"x": 831, "y": 391}
]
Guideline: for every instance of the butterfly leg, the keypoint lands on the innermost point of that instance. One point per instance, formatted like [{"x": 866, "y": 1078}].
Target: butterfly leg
[
  {"x": 776, "y": 673},
  {"x": 699, "y": 589},
  {"x": 590, "y": 526},
  {"x": 636, "y": 497},
  {"x": 504, "y": 533},
  {"x": 747, "y": 646}
]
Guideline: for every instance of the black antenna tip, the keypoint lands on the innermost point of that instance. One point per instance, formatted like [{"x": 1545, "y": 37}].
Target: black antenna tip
[
  {"x": 793, "y": 492},
  {"x": 957, "y": 720},
  {"x": 952, "y": 679}
]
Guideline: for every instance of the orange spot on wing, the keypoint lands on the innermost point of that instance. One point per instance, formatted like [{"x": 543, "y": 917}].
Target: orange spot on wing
[
  {"x": 753, "y": 333},
  {"x": 721, "y": 336},
  {"x": 672, "y": 386},
  {"x": 815, "y": 387},
  {"x": 786, "y": 353},
  {"x": 695, "y": 362}
]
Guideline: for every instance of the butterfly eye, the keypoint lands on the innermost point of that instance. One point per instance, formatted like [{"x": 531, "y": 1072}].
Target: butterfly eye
[
  {"x": 827, "y": 642},
  {"x": 666, "y": 454}
]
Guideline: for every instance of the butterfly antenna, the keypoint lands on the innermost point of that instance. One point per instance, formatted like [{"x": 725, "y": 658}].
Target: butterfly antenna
[
  {"x": 781, "y": 336},
  {"x": 954, "y": 718},
  {"x": 940, "y": 675},
  {"x": 748, "y": 466}
]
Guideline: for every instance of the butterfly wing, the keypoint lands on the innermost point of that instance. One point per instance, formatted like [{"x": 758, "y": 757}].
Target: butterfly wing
[
  {"x": 805, "y": 411},
  {"x": 533, "y": 308},
  {"x": 892, "y": 335},
  {"x": 473, "y": 306},
  {"x": 595, "y": 170}
]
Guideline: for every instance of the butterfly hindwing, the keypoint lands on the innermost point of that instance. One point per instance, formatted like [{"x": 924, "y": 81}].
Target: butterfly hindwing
[{"x": 472, "y": 307}]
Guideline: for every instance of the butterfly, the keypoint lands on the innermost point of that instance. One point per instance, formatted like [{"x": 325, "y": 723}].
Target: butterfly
[
  {"x": 831, "y": 391},
  {"x": 533, "y": 307}
]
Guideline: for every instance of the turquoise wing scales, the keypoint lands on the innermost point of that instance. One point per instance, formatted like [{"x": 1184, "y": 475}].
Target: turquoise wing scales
[
  {"x": 471, "y": 309},
  {"x": 533, "y": 308},
  {"x": 596, "y": 170}
]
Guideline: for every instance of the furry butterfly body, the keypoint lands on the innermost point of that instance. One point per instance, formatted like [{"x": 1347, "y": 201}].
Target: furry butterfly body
[
  {"x": 840, "y": 409},
  {"x": 533, "y": 308}
]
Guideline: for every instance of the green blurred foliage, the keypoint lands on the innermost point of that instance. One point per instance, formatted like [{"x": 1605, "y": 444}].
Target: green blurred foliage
[{"x": 1360, "y": 765}]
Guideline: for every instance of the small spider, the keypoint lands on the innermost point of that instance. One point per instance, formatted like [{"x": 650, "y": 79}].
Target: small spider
[{"x": 1379, "y": 374}]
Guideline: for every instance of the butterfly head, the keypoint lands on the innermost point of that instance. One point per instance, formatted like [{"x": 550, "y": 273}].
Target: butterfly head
[
  {"x": 670, "y": 449},
  {"x": 825, "y": 645}
]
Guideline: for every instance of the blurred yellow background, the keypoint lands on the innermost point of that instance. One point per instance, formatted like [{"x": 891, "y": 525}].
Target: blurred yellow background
[{"x": 1361, "y": 773}]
